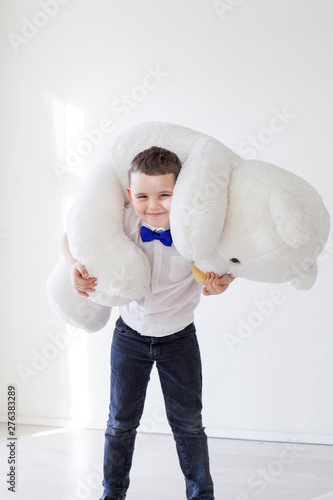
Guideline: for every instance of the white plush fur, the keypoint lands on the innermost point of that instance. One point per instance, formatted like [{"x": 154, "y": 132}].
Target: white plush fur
[{"x": 223, "y": 208}]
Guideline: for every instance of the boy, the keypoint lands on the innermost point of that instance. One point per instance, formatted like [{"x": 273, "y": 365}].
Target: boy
[{"x": 158, "y": 328}]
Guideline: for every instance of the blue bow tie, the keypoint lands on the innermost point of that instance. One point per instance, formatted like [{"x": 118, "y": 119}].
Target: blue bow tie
[{"x": 149, "y": 235}]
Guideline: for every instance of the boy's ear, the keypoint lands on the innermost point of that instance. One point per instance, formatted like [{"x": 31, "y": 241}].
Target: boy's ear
[{"x": 129, "y": 194}]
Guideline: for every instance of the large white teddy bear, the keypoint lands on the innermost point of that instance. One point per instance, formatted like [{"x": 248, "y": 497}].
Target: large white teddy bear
[{"x": 247, "y": 218}]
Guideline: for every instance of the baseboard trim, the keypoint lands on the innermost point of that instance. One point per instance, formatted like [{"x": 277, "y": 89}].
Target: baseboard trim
[
  {"x": 283, "y": 437},
  {"x": 248, "y": 435}
]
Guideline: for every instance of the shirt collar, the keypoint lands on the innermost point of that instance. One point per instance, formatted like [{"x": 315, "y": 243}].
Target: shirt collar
[{"x": 157, "y": 229}]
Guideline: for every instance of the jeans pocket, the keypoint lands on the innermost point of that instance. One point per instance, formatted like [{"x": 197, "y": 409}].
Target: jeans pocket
[
  {"x": 187, "y": 332},
  {"x": 121, "y": 327}
]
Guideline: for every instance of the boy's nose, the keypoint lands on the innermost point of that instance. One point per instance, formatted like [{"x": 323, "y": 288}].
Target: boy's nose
[{"x": 154, "y": 204}]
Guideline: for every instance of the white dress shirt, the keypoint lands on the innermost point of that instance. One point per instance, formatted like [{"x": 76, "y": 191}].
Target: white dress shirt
[{"x": 169, "y": 305}]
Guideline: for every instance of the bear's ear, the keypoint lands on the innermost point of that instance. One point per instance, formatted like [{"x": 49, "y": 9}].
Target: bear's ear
[
  {"x": 200, "y": 197},
  {"x": 292, "y": 222},
  {"x": 304, "y": 280}
]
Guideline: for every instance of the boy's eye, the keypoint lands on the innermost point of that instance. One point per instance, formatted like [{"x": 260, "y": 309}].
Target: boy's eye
[{"x": 165, "y": 195}]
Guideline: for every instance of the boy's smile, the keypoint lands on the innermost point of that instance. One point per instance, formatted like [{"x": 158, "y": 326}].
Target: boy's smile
[{"x": 151, "y": 197}]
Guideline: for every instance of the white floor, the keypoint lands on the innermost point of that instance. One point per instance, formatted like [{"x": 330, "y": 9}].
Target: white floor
[{"x": 58, "y": 464}]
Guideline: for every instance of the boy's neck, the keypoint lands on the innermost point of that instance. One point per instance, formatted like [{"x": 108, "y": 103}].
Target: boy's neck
[{"x": 158, "y": 229}]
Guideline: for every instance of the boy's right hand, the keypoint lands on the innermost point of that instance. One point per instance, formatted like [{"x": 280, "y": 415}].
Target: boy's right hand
[{"x": 80, "y": 279}]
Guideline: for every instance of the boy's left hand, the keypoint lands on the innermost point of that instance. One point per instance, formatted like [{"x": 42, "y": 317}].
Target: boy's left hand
[{"x": 214, "y": 285}]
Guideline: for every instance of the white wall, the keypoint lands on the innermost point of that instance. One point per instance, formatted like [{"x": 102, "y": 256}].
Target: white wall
[{"x": 226, "y": 71}]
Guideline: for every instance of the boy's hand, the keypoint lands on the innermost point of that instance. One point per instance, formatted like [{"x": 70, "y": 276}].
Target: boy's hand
[
  {"x": 81, "y": 281},
  {"x": 214, "y": 285}
]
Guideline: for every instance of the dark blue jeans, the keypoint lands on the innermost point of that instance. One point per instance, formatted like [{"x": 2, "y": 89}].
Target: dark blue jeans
[{"x": 178, "y": 362}]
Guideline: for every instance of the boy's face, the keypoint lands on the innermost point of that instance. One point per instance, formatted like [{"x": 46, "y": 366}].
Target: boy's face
[{"x": 151, "y": 197}]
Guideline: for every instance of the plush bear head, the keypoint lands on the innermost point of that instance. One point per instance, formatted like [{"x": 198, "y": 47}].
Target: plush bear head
[
  {"x": 228, "y": 215},
  {"x": 274, "y": 229}
]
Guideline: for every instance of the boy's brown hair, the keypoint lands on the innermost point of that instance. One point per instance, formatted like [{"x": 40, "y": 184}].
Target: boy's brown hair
[{"x": 155, "y": 161}]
